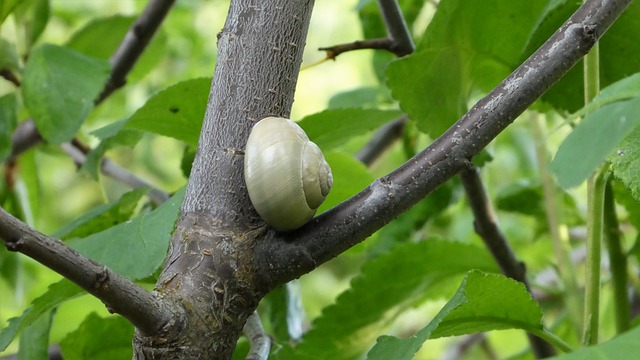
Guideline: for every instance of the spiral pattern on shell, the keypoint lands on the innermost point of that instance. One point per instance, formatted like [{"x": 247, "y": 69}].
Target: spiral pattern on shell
[{"x": 286, "y": 174}]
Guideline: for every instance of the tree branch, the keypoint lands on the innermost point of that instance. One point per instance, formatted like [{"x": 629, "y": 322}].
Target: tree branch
[
  {"x": 381, "y": 140},
  {"x": 486, "y": 225},
  {"x": 285, "y": 256},
  {"x": 398, "y": 40},
  {"x": 78, "y": 152},
  {"x": 259, "y": 340},
  {"x": 146, "y": 312},
  {"x": 134, "y": 43}
]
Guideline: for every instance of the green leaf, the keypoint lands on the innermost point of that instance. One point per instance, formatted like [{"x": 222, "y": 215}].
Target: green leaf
[
  {"x": 34, "y": 340},
  {"x": 620, "y": 347},
  {"x": 9, "y": 56},
  {"x": 461, "y": 54},
  {"x": 176, "y": 112},
  {"x": 347, "y": 329},
  {"x": 6, "y": 7},
  {"x": 586, "y": 148},
  {"x": 33, "y": 16},
  {"x": 57, "y": 294},
  {"x": 59, "y": 88},
  {"x": 332, "y": 128},
  {"x": 625, "y": 89},
  {"x": 390, "y": 347},
  {"x": 365, "y": 97},
  {"x": 349, "y": 177},
  {"x": 144, "y": 238},
  {"x": 625, "y": 162},
  {"x": 484, "y": 302},
  {"x": 102, "y": 217},
  {"x": 100, "y": 38},
  {"x": 99, "y": 338},
  {"x": 111, "y": 136},
  {"x": 8, "y": 122}
]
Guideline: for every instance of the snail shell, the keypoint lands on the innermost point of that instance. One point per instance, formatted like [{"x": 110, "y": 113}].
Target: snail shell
[{"x": 286, "y": 175}]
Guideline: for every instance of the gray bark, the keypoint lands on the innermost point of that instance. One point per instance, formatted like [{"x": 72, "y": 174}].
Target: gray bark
[{"x": 210, "y": 270}]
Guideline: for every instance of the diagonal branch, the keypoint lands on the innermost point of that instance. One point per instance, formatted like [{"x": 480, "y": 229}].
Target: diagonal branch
[
  {"x": 146, "y": 312},
  {"x": 357, "y": 218}
]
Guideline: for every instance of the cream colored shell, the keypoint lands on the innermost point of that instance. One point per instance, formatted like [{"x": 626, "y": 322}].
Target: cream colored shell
[{"x": 286, "y": 175}]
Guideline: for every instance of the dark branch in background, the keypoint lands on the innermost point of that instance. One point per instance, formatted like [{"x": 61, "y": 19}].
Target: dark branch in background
[
  {"x": 134, "y": 43},
  {"x": 617, "y": 262},
  {"x": 333, "y": 232},
  {"x": 381, "y": 140},
  {"x": 143, "y": 309},
  {"x": 78, "y": 153},
  {"x": 398, "y": 40},
  {"x": 486, "y": 225},
  {"x": 9, "y": 76}
]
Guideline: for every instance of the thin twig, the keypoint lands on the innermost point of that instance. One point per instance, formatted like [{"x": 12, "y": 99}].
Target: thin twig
[
  {"x": 398, "y": 40},
  {"x": 113, "y": 170},
  {"x": 259, "y": 340},
  {"x": 381, "y": 140},
  {"x": 9, "y": 76},
  {"x": 145, "y": 311},
  {"x": 486, "y": 225}
]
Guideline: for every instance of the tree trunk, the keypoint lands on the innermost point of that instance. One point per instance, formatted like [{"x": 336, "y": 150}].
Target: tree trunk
[{"x": 210, "y": 271}]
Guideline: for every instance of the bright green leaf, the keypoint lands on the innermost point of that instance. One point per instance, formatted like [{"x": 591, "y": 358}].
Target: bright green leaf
[
  {"x": 460, "y": 54},
  {"x": 332, "y": 128},
  {"x": 145, "y": 239},
  {"x": 34, "y": 340},
  {"x": 6, "y": 7},
  {"x": 484, "y": 302},
  {"x": 347, "y": 329},
  {"x": 625, "y": 89},
  {"x": 365, "y": 97},
  {"x": 620, "y": 347},
  {"x": 586, "y": 148},
  {"x": 111, "y": 136},
  {"x": 59, "y": 88},
  {"x": 102, "y": 217},
  {"x": 33, "y": 16},
  {"x": 617, "y": 62},
  {"x": 349, "y": 177},
  {"x": 57, "y": 294},
  {"x": 176, "y": 112},
  {"x": 9, "y": 56},
  {"x": 8, "y": 122},
  {"x": 625, "y": 162},
  {"x": 99, "y": 338}
]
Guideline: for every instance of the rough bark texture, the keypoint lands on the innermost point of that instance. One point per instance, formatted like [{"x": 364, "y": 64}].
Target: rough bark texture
[{"x": 210, "y": 269}]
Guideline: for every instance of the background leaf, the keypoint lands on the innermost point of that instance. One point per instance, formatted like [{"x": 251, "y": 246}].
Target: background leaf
[
  {"x": 350, "y": 176},
  {"x": 332, "y": 128},
  {"x": 34, "y": 340},
  {"x": 625, "y": 162},
  {"x": 99, "y": 338},
  {"x": 56, "y": 294},
  {"x": 347, "y": 329},
  {"x": 78, "y": 81},
  {"x": 8, "y": 122},
  {"x": 617, "y": 348},
  {"x": 176, "y": 112},
  {"x": 483, "y": 302},
  {"x": 461, "y": 53},
  {"x": 101, "y": 37},
  {"x": 585, "y": 148},
  {"x": 148, "y": 234}
]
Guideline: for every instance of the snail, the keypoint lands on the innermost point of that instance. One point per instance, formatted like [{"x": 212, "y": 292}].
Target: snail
[{"x": 286, "y": 174}]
